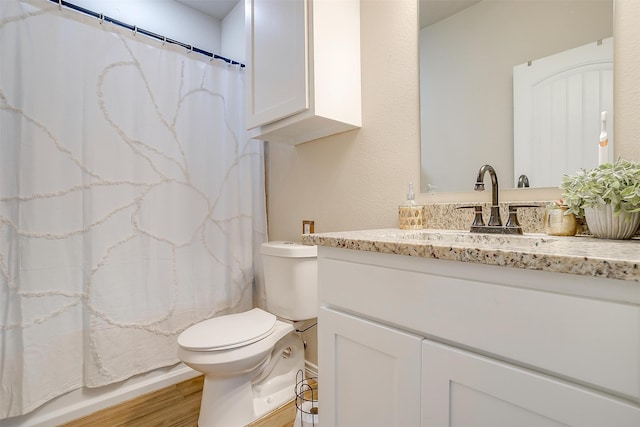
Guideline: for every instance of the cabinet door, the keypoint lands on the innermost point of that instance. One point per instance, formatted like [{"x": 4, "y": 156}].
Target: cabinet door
[
  {"x": 277, "y": 60},
  {"x": 370, "y": 373},
  {"x": 464, "y": 389}
]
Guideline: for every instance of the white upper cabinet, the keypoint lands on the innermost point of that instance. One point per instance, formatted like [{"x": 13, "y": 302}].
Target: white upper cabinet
[
  {"x": 303, "y": 68},
  {"x": 277, "y": 80}
]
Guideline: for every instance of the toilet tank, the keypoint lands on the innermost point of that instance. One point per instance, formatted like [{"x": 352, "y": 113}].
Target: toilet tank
[{"x": 291, "y": 279}]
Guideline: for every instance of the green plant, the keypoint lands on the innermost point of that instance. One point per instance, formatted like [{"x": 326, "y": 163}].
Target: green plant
[{"x": 615, "y": 183}]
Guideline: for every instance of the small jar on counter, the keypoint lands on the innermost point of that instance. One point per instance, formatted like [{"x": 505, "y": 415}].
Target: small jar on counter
[{"x": 558, "y": 223}]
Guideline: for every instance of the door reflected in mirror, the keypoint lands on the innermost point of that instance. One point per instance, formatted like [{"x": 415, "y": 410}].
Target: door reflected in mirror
[{"x": 467, "y": 62}]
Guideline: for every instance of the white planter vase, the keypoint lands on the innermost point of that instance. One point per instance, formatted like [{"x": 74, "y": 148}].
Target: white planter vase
[{"x": 604, "y": 224}]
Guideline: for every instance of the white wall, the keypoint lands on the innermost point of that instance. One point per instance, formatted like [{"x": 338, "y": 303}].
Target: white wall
[
  {"x": 179, "y": 22},
  {"x": 233, "y": 36},
  {"x": 627, "y": 78}
]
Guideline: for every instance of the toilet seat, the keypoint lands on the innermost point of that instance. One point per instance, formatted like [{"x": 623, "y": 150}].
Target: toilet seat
[{"x": 229, "y": 331}]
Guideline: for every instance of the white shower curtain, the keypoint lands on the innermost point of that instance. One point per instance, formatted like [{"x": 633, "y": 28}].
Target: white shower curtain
[{"x": 131, "y": 201}]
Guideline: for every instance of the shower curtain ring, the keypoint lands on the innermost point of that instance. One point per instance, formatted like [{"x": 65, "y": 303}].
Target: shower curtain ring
[
  {"x": 60, "y": 4},
  {"x": 164, "y": 40},
  {"x": 135, "y": 30},
  {"x": 101, "y": 18}
]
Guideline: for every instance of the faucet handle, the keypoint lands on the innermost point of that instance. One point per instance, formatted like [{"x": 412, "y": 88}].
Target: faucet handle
[
  {"x": 512, "y": 222},
  {"x": 477, "y": 219}
]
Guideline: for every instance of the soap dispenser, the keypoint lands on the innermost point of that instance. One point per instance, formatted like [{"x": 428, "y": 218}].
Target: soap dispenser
[{"x": 411, "y": 215}]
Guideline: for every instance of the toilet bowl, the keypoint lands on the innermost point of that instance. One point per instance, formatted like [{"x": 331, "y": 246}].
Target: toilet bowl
[{"x": 250, "y": 360}]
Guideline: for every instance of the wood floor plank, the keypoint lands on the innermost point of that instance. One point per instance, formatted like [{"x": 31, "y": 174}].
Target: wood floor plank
[
  {"x": 283, "y": 416},
  {"x": 142, "y": 409},
  {"x": 191, "y": 386},
  {"x": 174, "y": 406}
]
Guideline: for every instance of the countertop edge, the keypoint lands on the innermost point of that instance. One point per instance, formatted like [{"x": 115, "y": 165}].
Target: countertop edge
[{"x": 584, "y": 255}]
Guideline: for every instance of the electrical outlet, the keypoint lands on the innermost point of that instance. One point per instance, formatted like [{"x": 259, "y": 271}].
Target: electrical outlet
[{"x": 307, "y": 227}]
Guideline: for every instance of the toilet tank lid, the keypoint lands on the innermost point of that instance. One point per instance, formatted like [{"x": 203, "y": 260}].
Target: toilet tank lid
[
  {"x": 229, "y": 331},
  {"x": 289, "y": 249}
]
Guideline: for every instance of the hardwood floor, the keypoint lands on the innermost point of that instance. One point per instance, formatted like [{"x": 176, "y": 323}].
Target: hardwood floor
[
  {"x": 284, "y": 416},
  {"x": 174, "y": 406}
]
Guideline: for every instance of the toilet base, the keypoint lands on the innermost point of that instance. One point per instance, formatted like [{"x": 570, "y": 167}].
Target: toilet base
[
  {"x": 238, "y": 401},
  {"x": 278, "y": 387},
  {"x": 226, "y": 402}
]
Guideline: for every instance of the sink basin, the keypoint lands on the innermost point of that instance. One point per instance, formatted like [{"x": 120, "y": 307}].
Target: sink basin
[{"x": 453, "y": 238}]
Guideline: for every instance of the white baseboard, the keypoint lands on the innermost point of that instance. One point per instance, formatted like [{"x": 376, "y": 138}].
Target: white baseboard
[{"x": 310, "y": 369}]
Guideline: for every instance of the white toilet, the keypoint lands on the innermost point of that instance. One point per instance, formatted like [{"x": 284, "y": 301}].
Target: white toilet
[{"x": 250, "y": 359}]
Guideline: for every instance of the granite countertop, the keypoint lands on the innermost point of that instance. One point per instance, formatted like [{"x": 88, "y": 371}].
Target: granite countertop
[{"x": 582, "y": 255}]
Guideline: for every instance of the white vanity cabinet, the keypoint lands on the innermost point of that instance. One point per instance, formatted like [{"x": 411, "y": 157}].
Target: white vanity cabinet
[
  {"x": 303, "y": 68},
  {"x": 373, "y": 374},
  {"x": 498, "y": 346},
  {"x": 461, "y": 388}
]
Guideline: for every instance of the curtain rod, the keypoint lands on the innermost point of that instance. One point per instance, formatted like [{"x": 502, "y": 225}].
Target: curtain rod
[{"x": 147, "y": 33}]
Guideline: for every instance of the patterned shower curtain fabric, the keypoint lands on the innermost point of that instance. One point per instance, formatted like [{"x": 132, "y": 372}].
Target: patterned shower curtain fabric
[{"x": 131, "y": 201}]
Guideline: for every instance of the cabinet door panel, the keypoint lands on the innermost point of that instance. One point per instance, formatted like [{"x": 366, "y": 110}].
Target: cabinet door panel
[
  {"x": 464, "y": 389},
  {"x": 370, "y": 373},
  {"x": 277, "y": 66}
]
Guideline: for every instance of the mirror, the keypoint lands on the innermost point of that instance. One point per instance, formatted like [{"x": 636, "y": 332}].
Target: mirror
[{"x": 468, "y": 51}]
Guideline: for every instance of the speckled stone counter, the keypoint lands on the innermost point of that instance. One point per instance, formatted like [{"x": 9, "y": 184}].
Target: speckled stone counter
[
  {"x": 449, "y": 216},
  {"x": 582, "y": 255}
]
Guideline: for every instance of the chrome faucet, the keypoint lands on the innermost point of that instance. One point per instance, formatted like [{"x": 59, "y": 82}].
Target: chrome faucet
[{"x": 494, "y": 218}]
